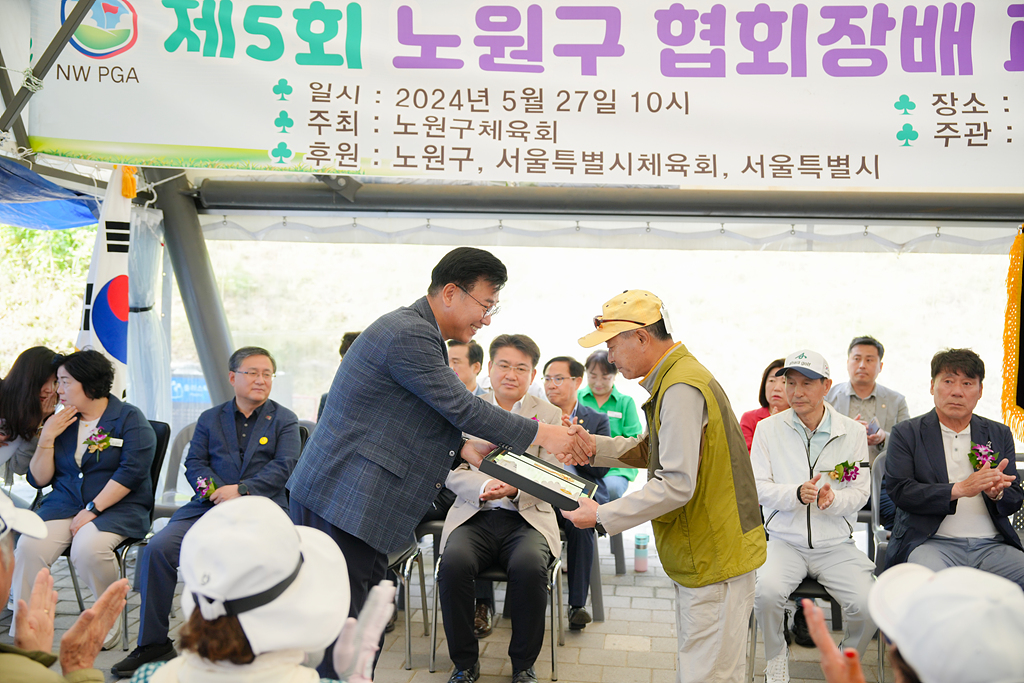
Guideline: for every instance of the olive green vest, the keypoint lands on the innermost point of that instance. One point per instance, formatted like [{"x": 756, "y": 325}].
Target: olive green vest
[{"x": 718, "y": 534}]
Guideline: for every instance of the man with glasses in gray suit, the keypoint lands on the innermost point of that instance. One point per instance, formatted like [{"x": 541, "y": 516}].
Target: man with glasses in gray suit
[{"x": 394, "y": 421}]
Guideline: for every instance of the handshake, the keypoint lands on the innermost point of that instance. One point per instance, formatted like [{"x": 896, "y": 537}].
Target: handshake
[{"x": 570, "y": 443}]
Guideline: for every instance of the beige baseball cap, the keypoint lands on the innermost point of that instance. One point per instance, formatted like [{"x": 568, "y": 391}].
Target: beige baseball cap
[{"x": 631, "y": 310}]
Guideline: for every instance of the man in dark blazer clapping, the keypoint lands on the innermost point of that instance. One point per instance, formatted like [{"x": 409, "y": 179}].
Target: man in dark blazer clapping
[
  {"x": 247, "y": 446},
  {"x": 394, "y": 421},
  {"x": 952, "y": 476}
]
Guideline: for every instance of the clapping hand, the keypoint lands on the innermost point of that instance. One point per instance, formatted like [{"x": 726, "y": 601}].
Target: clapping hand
[
  {"x": 84, "y": 640},
  {"x": 33, "y": 621}
]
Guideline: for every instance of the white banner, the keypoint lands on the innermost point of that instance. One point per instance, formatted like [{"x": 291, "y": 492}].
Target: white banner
[
  {"x": 105, "y": 306},
  {"x": 905, "y": 95}
]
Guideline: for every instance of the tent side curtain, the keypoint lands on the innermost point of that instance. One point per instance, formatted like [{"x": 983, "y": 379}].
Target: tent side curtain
[{"x": 27, "y": 200}]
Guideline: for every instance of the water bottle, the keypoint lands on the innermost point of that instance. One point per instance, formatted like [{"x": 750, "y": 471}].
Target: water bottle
[{"x": 640, "y": 553}]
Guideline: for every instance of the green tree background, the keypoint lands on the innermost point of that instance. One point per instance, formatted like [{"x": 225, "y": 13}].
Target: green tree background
[{"x": 42, "y": 280}]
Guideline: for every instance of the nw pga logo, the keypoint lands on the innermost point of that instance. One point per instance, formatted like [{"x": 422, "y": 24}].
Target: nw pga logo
[{"x": 110, "y": 28}]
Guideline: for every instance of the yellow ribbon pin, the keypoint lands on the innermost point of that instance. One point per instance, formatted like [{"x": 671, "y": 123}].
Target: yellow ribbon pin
[{"x": 263, "y": 441}]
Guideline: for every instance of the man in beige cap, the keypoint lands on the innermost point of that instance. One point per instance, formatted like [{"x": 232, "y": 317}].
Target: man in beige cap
[{"x": 700, "y": 495}]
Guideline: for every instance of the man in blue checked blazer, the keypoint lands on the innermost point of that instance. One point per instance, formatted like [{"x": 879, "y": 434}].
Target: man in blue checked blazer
[
  {"x": 394, "y": 420},
  {"x": 246, "y": 447}
]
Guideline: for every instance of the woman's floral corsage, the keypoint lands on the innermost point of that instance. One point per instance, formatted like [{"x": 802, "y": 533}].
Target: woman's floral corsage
[
  {"x": 98, "y": 441},
  {"x": 205, "y": 487},
  {"x": 981, "y": 455},
  {"x": 844, "y": 471}
]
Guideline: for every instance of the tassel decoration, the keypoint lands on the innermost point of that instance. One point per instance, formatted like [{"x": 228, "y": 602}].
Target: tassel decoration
[{"x": 1013, "y": 386}]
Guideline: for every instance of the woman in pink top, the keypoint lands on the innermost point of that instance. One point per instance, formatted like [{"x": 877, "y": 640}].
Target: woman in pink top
[{"x": 772, "y": 398}]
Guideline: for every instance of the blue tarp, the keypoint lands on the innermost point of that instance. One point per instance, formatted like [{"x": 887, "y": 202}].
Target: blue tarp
[{"x": 27, "y": 200}]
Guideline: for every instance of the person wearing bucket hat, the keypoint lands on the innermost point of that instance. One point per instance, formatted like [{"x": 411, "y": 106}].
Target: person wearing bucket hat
[
  {"x": 29, "y": 658},
  {"x": 700, "y": 495},
  {"x": 806, "y": 462},
  {"x": 958, "y": 625},
  {"x": 259, "y": 593}
]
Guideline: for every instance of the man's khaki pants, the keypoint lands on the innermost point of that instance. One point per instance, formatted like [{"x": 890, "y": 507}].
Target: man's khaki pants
[{"x": 712, "y": 624}]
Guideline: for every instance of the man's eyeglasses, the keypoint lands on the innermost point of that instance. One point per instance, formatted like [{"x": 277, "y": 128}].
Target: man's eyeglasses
[
  {"x": 557, "y": 381},
  {"x": 599, "y": 321},
  {"x": 504, "y": 367},
  {"x": 253, "y": 374},
  {"x": 488, "y": 310}
]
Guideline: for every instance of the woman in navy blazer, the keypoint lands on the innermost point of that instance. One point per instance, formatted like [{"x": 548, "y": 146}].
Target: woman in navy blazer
[{"x": 96, "y": 453}]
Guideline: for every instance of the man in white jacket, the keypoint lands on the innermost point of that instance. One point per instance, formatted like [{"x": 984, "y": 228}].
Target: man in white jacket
[{"x": 810, "y": 485}]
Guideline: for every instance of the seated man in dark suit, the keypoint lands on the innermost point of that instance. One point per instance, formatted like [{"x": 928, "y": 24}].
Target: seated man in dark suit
[
  {"x": 492, "y": 523},
  {"x": 952, "y": 476},
  {"x": 563, "y": 376},
  {"x": 247, "y": 446}
]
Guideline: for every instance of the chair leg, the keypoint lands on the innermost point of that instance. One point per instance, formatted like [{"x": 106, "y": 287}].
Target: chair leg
[
  {"x": 619, "y": 553},
  {"x": 406, "y": 575},
  {"x": 881, "y": 657},
  {"x": 423, "y": 594},
  {"x": 554, "y": 578},
  {"x": 74, "y": 582},
  {"x": 596, "y": 593},
  {"x": 837, "y": 615},
  {"x": 558, "y": 588},
  {"x": 752, "y": 656},
  {"x": 433, "y": 630},
  {"x": 122, "y": 563}
]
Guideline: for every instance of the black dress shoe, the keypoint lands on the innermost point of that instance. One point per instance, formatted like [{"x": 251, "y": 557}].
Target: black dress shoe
[
  {"x": 144, "y": 654},
  {"x": 525, "y": 676},
  {"x": 579, "y": 617},
  {"x": 466, "y": 675},
  {"x": 483, "y": 620},
  {"x": 801, "y": 634}
]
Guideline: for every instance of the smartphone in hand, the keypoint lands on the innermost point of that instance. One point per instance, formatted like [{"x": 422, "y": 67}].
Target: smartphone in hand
[{"x": 873, "y": 426}]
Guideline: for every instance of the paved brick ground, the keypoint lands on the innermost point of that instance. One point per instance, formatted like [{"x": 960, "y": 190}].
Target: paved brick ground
[{"x": 635, "y": 644}]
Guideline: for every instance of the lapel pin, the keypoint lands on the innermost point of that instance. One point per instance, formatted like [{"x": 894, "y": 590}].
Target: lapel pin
[
  {"x": 268, "y": 417},
  {"x": 263, "y": 441}
]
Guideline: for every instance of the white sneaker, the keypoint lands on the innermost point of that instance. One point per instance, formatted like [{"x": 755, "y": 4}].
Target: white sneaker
[
  {"x": 777, "y": 670},
  {"x": 114, "y": 635}
]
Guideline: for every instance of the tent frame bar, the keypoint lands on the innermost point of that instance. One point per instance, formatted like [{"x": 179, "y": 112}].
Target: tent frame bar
[
  {"x": 190, "y": 260},
  {"x": 226, "y": 197},
  {"x": 7, "y": 96},
  {"x": 46, "y": 62}
]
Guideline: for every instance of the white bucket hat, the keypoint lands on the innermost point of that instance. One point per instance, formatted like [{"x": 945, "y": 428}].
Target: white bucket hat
[
  {"x": 13, "y": 518},
  {"x": 959, "y": 625},
  {"x": 288, "y": 585}
]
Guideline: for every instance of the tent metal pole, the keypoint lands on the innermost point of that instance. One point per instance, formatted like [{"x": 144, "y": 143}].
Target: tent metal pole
[
  {"x": 46, "y": 62},
  {"x": 224, "y": 197},
  {"x": 7, "y": 95},
  {"x": 191, "y": 262}
]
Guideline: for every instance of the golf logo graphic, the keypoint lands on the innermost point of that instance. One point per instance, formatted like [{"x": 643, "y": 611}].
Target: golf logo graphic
[{"x": 110, "y": 28}]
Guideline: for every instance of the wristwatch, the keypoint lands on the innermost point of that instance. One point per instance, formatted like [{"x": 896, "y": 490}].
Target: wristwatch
[
  {"x": 91, "y": 507},
  {"x": 597, "y": 522},
  {"x": 243, "y": 490}
]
